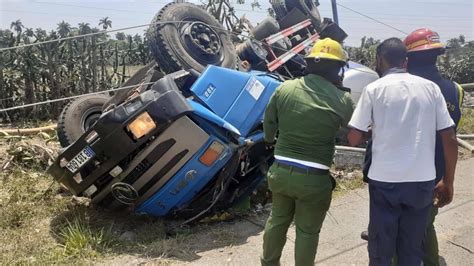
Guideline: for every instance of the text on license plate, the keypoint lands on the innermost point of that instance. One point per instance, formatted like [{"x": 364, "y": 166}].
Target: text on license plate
[{"x": 80, "y": 159}]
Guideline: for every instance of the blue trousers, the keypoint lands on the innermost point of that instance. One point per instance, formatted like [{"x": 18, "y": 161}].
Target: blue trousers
[{"x": 398, "y": 218}]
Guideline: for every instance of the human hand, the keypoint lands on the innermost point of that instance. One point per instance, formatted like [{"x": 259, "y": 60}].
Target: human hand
[
  {"x": 443, "y": 194},
  {"x": 270, "y": 146}
]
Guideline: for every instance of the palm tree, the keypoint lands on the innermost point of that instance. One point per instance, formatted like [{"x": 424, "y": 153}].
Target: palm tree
[
  {"x": 40, "y": 34},
  {"x": 106, "y": 23},
  {"x": 28, "y": 34},
  {"x": 84, "y": 28},
  {"x": 63, "y": 28},
  {"x": 18, "y": 27},
  {"x": 120, "y": 36},
  {"x": 137, "y": 39}
]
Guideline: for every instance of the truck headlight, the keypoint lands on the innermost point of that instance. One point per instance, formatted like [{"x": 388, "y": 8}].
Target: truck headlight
[
  {"x": 212, "y": 153},
  {"x": 142, "y": 125}
]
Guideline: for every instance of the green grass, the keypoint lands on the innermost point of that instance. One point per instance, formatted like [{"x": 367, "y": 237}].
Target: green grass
[
  {"x": 42, "y": 224},
  {"x": 467, "y": 126},
  {"x": 345, "y": 183},
  {"x": 80, "y": 240},
  {"x": 39, "y": 225}
]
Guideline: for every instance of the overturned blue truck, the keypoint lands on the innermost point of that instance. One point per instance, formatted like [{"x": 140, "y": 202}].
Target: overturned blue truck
[{"x": 187, "y": 137}]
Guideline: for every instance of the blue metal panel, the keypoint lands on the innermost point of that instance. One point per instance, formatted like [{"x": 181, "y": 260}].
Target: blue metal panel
[
  {"x": 247, "y": 110},
  {"x": 237, "y": 97},
  {"x": 184, "y": 186},
  {"x": 218, "y": 88},
  {"x": 211, "y": 117}
]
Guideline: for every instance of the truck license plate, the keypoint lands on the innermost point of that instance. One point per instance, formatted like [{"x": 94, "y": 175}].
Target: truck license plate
[{"x": 80, "y": 159}]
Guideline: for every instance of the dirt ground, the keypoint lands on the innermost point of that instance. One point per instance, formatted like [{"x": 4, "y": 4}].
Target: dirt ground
[
  {"x": 33, "y": 219},
  {"x": 239, "y": 243}
]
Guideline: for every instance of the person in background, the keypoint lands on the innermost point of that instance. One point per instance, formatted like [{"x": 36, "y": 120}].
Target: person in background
[
  {"x": 404, "y": 113},
  {"x": 424, "y": 47},
  {"x": 306, "y": 113}
]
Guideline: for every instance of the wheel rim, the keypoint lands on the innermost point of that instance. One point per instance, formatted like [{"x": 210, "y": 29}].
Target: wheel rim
[
  {"x": 90, "y": 118},
  {"x": 202, "y": 42}
]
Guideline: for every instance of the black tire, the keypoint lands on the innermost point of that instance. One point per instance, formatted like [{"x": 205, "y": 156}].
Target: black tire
[
  {"x": 280, "y": 9},
  {"x": 265, "y": 28},
  {"x": 308, "y": 7},
  {"x": 78, "y": 116},
  {"x": 170, "y": 47}
]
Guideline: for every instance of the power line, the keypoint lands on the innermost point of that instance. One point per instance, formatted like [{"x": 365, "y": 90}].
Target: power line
[
  {"x": 70, "y": 98},
  {"x": 450, "y": 3},
  {"x": 86, "y": 35},
  {"x": 236, "y": 9},
  {"x": 47, "y": 13},
  {"x": 411, "y": 16},
  {"x": 96, "y": 8},
  {"x": 401, "y": 18},
  {"x": 77, "y": 96},
  {"x": 136, "y": 11},
  {"x": 371, "y": 18}
]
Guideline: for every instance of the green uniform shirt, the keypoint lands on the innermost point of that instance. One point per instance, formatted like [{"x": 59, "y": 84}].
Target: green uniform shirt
[{"x": 307, "y": 112}]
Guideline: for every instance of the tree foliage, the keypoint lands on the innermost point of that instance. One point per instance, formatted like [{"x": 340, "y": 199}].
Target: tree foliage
[
  {"x": 99, "y": 62},
  {"x": 456, "y": 64},
  {"x": 64, "y": 68}
]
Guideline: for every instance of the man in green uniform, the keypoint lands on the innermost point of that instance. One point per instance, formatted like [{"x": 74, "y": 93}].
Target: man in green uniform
[{"x": 306, "y": 112}]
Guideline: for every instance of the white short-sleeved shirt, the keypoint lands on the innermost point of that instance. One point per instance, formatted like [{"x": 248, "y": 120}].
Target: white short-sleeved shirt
[{"x": 404, "y": 111}]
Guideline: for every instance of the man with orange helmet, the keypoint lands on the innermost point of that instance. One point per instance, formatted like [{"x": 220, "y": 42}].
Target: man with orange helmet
[{"x": 424, "y": 47}]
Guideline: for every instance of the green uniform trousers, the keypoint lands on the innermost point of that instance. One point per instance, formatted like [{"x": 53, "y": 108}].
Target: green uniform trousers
[
  {"x": 431, "y": 256},
  {"x": 430, "y": 245},
  {"x": 304, "y": 198}
]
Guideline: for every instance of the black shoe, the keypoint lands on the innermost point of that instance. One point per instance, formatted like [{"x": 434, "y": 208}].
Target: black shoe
[{"x": 365, "y": 235}]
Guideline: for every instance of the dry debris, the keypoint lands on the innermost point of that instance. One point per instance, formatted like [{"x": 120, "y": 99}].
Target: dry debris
[{"x": 31, "y": 153}]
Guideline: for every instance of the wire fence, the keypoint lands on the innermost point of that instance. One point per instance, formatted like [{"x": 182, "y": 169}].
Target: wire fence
[
  {"x": 66, "y": 98},
  {"x": 18, "y": 106}
]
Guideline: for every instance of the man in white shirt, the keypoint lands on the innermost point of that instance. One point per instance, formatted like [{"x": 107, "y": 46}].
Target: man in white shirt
[{"x": 403, "y": 112}]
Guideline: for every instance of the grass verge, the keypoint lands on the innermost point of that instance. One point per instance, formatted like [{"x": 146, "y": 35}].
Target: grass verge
[
  {"x": 348, "y": 181},
  {"x": 42, "y": 224},
  {"x": 467, "y": 126}
]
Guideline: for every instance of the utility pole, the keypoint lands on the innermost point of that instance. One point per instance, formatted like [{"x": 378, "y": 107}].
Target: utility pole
[{"x": 334, "y": 11}]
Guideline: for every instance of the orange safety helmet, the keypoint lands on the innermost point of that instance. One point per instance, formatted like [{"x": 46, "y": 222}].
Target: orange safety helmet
[{"x": 423, "y": 39}]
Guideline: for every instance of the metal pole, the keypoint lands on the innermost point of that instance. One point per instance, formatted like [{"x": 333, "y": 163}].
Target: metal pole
[
  {"x": 334, "y": 12},
  {"x": 468, "y": 86}
]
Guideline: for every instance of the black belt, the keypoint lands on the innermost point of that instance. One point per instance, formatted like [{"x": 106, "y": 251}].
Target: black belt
[{"x": 309, "y": 170}]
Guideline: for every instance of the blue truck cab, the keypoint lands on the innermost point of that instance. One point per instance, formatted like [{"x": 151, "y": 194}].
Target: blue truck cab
[{"x": 161, "y": 153}]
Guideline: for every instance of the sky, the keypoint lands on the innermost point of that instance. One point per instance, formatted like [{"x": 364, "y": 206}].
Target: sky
[{"x": 449, "y": 18}]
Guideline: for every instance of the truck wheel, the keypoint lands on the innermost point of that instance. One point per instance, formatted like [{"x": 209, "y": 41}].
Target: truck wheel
[
  {"x": 78, "y": 116},
  {"x": 199, "y": 40},
  {"x": 265, "y": 28},
  {"x": 308, "y": 7}
]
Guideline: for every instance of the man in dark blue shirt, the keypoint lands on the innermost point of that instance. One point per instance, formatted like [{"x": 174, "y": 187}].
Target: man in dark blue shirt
[{"x": 424, "y": 47}]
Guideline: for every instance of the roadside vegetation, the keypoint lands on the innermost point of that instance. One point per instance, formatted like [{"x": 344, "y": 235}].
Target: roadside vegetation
[
  {"x": 42, "y": 223},
  {"x": 467, "y": 126},
  {"x": 65, "y": 68}
]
